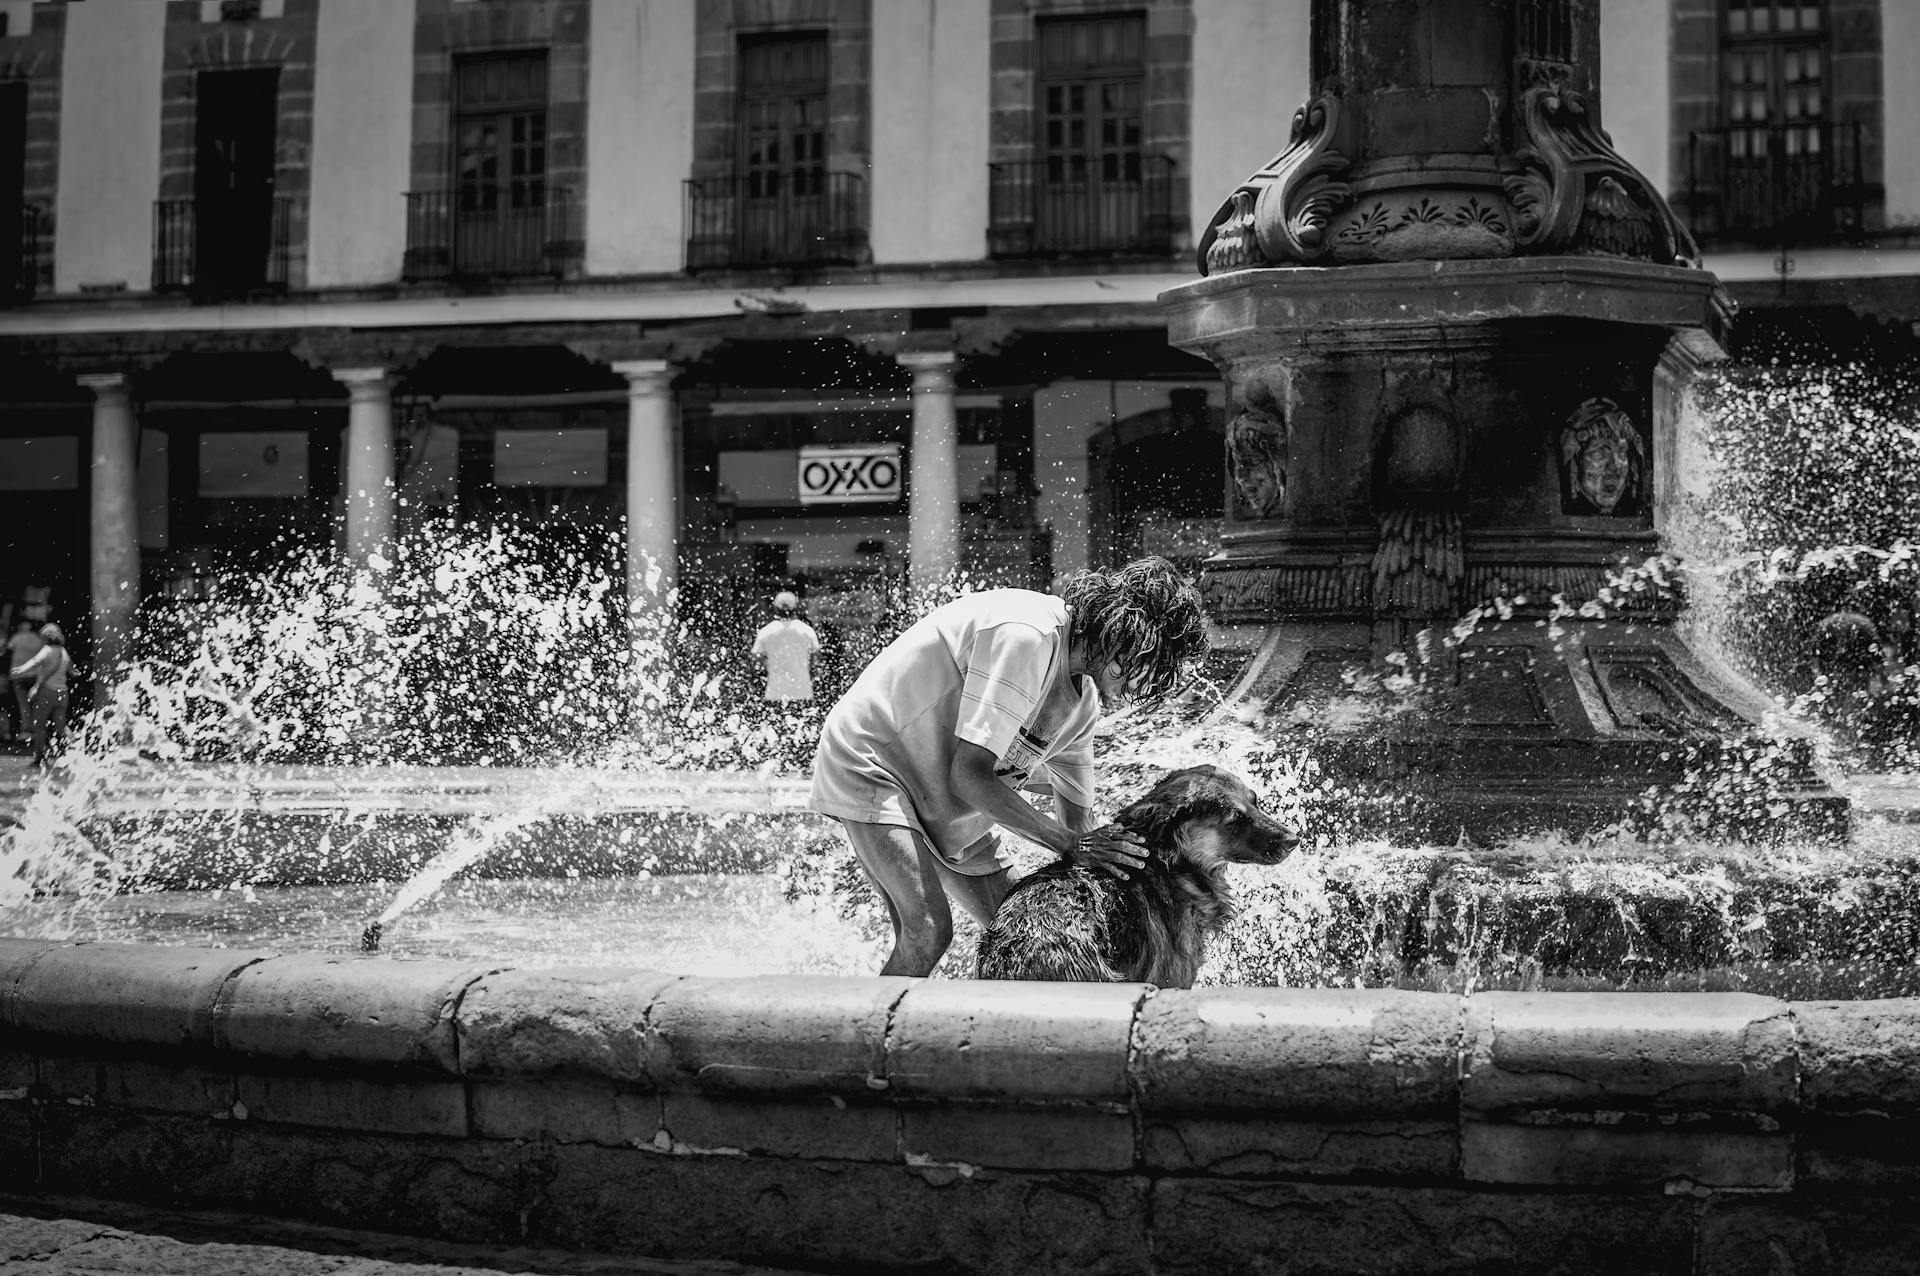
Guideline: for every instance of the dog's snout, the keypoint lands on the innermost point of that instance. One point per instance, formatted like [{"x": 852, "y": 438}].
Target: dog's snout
[{"x": 1278, "y": 838}]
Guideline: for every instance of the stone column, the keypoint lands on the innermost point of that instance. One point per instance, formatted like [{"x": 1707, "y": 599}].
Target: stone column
[
  {"x": 653, "y": 488},
  {"x": 115, "y": 522},
  {"x": 367, "y": 466},
  {"x": 933, "y": 501}
]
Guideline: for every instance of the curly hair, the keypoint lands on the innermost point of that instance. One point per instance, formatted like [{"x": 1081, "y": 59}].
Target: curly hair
[{"x": 1146, "y": 616}]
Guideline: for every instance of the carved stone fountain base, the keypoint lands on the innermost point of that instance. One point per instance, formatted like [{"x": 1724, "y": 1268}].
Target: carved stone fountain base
[
  {"x": 1527, "y": 726},
  {"x": 1414, "y": 443}
]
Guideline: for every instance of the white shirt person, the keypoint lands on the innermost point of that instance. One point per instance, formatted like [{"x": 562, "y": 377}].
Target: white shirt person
[{"x": 786, "y": 646}]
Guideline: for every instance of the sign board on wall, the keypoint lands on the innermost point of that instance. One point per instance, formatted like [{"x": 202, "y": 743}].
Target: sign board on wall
[
  {"x": 863, "y": 474},
  {"x": 254, "y": 463},
  {"x": 550, "y": 458},
  {"x": 46, "y": 463}
]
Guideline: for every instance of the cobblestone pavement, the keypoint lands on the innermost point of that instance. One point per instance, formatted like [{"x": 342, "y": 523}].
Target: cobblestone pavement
[{"x": 56, "y": 1236}]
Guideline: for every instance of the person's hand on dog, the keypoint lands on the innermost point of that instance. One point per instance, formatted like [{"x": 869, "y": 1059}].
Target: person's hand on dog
[{"x": 1111, "y": 849}]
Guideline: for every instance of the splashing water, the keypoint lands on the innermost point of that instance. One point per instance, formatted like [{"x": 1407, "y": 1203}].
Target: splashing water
[
  {"x": 457, "y": 649},
  {"x": 497, "y": 651},
  {"x": 309, "y": 722}
]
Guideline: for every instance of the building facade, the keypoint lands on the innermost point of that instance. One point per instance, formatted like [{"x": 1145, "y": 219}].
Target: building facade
[{"x": 825, "y": 293}]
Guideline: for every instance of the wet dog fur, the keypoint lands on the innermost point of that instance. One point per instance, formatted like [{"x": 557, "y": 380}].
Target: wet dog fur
[{"x": 1068, "y": 922}]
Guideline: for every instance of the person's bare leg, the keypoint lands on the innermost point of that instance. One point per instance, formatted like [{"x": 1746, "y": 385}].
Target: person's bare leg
[
  {"x": 980, "y": 896},
  {"x": 903, "y": 869}
]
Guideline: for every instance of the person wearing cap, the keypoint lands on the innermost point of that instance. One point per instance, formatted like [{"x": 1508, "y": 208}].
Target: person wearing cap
[
  {"x": 991, "y": 693},
  {"x": 47, "y": 705},
  {"x": 785, "y": 648}
]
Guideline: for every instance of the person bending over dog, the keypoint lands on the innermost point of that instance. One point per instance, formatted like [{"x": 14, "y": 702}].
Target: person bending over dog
[{"x": 923, "y": 755}]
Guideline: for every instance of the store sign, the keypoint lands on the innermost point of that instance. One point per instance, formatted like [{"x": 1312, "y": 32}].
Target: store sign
[{"x": 865, "y": 475}]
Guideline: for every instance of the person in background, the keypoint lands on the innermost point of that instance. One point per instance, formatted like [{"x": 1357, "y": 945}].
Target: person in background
[
  {"x": 47, "y": 705},
  {"x": 923, "y": 755},
  {"x": 23, "y": 644},
  {"x": 785, "y": 648}
]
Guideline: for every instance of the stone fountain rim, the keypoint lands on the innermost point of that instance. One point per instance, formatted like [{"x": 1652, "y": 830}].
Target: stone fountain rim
[{"x": 1268, "y": 301}]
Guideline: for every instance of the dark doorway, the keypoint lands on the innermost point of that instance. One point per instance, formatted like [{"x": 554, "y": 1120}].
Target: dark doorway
[
  {"x": 16, "y": 249},
  {"x": 233, "y": 176}
]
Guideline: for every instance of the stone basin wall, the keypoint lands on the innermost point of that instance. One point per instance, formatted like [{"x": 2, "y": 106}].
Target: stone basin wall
[{"x": 895, "y": 1125}]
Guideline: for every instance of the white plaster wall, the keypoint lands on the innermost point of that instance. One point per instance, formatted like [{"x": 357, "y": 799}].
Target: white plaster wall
[
  {"x": 639, "y": 135},
  {"x": 1900, "y": 77},
  {"x": 1250, "y": 64},
  {"x": 1636, "y": 45},
  {"x": 109, "y": 144},
  {"x": 362, "y": 137},
  {"x": 931, "y": 83}
]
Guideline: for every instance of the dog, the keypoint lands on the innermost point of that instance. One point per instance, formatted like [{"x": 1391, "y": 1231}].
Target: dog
[{"x": 1068, "y": 922}]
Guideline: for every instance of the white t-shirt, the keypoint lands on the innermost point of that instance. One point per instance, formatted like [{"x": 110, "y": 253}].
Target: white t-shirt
[
  {"x": 788, "y": 644},
  {"x": 989, "y": 668}
]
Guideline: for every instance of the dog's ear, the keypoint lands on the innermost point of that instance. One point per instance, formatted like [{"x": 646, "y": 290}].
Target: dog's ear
[{"x": 1159, "y": 813}]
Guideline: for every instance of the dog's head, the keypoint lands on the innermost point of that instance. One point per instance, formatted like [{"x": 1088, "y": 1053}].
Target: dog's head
[{"x": 1211, "y": 816}]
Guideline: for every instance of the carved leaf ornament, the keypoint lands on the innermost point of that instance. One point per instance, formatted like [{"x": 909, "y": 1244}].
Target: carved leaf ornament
[
  {"x": 1571, "y": 191},
  {"x": 1280, "y": 214}
]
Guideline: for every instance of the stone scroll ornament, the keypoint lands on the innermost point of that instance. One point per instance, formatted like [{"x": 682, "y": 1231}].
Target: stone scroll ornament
[
  {"x": 1280, "y": 214},
  {"x": 1572, "y": 192},
  {"x": 1257, "y": 456},
  {"x": 1603, "y": 459}
]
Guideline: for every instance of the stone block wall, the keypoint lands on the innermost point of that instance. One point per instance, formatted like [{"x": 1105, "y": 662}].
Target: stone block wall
[{"x": 893, "y": 1125}]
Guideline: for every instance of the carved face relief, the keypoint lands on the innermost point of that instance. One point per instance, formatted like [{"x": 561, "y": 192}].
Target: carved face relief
[
  {"x": 1257, "y": 456},
  {"x": 1602, "y": 458},
  {"x": 1602, "y": 471}
]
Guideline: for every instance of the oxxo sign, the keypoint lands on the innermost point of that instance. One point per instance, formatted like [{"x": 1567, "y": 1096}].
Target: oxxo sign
[{"x": 868, "y": 474}]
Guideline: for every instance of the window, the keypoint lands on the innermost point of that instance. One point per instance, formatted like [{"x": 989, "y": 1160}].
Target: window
[
  {"x": 781, "y": 195},
  {"x": 1093, "y": 189},
  {"x": 783, "y": 116},
  {"x": 1773, "y": 72},
  {"x": 1091, "y": 76},
  {"x": 500, "y": 162},
  {"x": 1780, "y": 168}
]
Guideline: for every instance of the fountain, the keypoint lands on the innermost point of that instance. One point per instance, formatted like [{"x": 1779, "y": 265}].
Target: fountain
[{"x": 1458, "y": 331}]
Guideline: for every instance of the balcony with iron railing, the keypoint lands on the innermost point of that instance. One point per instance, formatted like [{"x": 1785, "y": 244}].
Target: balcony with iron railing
[
  {"x": 1066, "y": 206},
  {"x": 776, "y": 219},
  {"x": 20, "y": 267},
  {"x": 221, "y": 250},
  {"x": 511, "y": 230},
  {"x": 1782, "y": 185}
]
